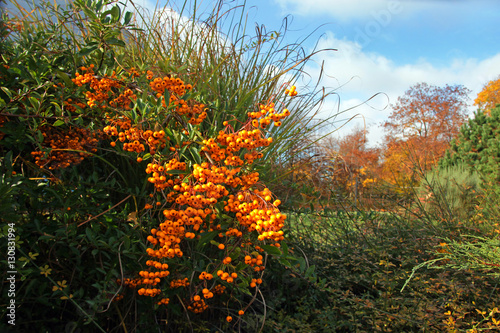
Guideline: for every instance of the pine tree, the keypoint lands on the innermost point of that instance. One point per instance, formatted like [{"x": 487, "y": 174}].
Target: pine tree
[{"x": 478, "y": 146}]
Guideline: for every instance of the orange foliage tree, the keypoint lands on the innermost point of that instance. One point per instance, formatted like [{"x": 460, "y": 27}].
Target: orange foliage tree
[
  {"x": 326, "y": 168},
  {"x": 489, "y": 97},
  {"x": 356, "y": 162},
  {"x": 423, "y": 122}
]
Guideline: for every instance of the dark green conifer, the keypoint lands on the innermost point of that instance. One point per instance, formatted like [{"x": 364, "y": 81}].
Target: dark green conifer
[{"x": 478, "y": 146}]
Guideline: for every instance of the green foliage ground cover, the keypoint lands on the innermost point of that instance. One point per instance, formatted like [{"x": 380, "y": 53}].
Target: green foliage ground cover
[{"x": 361, "y": 263}]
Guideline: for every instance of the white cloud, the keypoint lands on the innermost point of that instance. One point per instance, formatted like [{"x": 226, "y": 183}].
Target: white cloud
[
  {"x": 339, "y": 9},
  {"x": 382, "y": 11},
  {"x": 357, "y": 75}
]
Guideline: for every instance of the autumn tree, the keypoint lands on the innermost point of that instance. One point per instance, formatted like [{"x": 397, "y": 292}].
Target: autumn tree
[
  {"x": 359, "y": 160},
  {"x": 429, "y": 112},
  {"x": 422, "y": 123},
  {"x": 346, "y": 165},
  {"x": 489, "y": 97}
]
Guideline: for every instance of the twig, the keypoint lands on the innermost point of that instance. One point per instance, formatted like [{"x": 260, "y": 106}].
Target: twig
[
  {"x": 265, "y": 311},
  {"x": 119, "y": 289},
  {"x": 107, "y": 210}
]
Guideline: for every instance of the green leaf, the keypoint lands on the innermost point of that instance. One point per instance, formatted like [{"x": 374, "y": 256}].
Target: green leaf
[
  {"x": 89, "y": 234},
  {"x": 196, "y": 155},
  {"x": 236, "y": 253},
  {"x": 115, "y": 41},
  {"x": 8, "y": 161},
  {"x": 176, "y": 172},
  {"x": 88, "y": 50},
  {"x": 310, "y": 271},
  {"x": 166, "y": 96},
  {"x": 206, "y": 237},
  {"x": 7, "y": 92},
  {"x": 284, "y": 248},
  {"x": 285, "y": 262},
  {"x": 98, "y": 6},
  {"x": 126, "y": 242},
  {"x": 88, "y": 12},
  {"x": 271, "y": 249},
  {"x": 65, "y": 78},
  {"x": 59, "y": 122},
  {"x": 128, "y": 17},
  {"x": 35, "y": 103},
  {"x": 39, "y": 136},
  {"x": 115, "y": 14}
]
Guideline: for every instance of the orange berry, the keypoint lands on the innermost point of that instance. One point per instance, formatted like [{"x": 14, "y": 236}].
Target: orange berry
[
  {"x": 221, "y": 246},
  {"x": 229, "y": 319}
]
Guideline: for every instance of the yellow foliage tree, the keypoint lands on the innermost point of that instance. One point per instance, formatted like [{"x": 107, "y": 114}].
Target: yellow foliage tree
[{"x": 489, "y": 97}]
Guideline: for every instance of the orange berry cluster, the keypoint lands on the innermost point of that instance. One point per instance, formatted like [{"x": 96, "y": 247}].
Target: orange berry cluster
[
  {"x": 207, "y": 293},
  {"x": 67, "y": 146},
  {"x": 69, "y": 105},
  {"x": 217, "y": 194},
  {"x": 151, "y": 292},
  {"x": 130, "y": 283},
  {"x": 124, "y": 100},
  {"x": 291, "y": 91},
  {"x": 225, "y": 276},
  {"x": 174, "y": 85},
  {"x": 160, "y": 173},
  {"x": 134, "y": 72},
  {"x": 197, "y": 305},
  {"x": 150, "y": 279},
  {"x": 164, "y": 301},
  {"x": 267, "y": 114},
  {"x": 168, "y": 238},
  {"x": 179, "y": 283},
  {"x": 227, "y": 146},
  {"x": 194, "y": 111},
  {"x": 219, "y": 289},
  {"x": 136, "y": 137},
  {"x": 205, "y": 276},
  {"x": 252, "y": 210},
  {"x": 196, "y": 190},
  {"x": 255, "y": 282},
  {"x": 255, "y": 262},
  {"x": 103, "y": 89}
]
